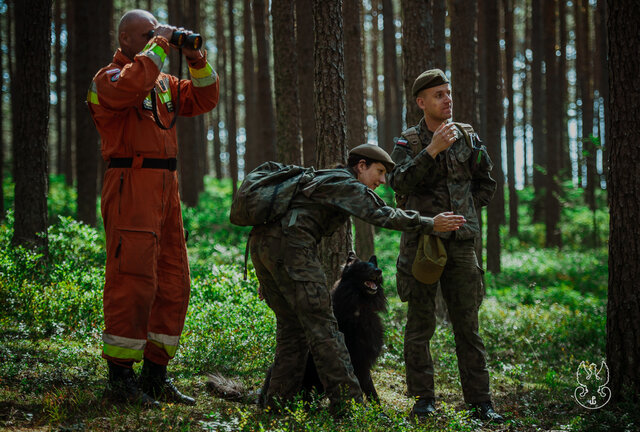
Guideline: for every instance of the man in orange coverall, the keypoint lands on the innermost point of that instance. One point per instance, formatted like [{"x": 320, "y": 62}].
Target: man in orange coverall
[{"x": 147, "y": 283}]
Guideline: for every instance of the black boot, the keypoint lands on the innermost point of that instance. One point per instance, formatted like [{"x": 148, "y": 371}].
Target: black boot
[
  {"x": 484, "y": 411},
  {"x": 123, "y": 387},
  {"x": 154, "y": 381},
  {"x": 424, "y": 407}
]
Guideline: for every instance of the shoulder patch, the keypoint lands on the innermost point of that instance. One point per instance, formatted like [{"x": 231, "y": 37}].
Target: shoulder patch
[
  {"x": 402, "y": 142},
  {"x": 115, "y": 77}
]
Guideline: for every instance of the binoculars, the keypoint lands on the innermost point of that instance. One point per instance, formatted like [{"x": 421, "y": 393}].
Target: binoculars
[{"x": 183, "y": 40}]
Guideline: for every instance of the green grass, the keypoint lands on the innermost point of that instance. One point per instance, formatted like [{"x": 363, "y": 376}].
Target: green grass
[{"x": 542, "y": 316}]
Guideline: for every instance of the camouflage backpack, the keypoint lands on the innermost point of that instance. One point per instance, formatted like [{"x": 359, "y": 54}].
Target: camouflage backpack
[
  {"x": 411, "y": 135},
  {"x": 266, "y": 193}
]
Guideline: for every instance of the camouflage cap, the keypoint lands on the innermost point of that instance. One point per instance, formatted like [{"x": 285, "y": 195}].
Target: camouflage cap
[
  {"x": 375, "y": 153},
  {"x": 430, "y": 260},
  {"x": 428, "y": 79}
]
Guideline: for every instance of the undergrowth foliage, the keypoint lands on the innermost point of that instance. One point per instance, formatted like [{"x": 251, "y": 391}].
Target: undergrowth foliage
[{"x": 542, "y": 316}]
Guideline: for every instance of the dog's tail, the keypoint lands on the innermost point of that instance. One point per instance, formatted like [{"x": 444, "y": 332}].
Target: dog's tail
[{"x": 229, "y": 389}]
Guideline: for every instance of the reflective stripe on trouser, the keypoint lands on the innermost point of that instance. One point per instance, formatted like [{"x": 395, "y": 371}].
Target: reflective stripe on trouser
[
  {"x": 461, "y": 284},
  {"x": 123, "y": 348},
  {"x": 305, "y": 321},
  {"x": 147, "y": 285}
]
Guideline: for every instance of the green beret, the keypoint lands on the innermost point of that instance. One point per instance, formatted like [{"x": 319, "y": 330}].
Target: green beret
[
  {"x": 375, "y": 153},
  {"x": 428, "y": 79}
]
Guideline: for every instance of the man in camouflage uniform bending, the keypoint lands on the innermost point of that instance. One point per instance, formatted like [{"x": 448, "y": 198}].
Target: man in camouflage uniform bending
[
  {"x": 443, "y": 167},
  {"x": 293, "y": 283}
]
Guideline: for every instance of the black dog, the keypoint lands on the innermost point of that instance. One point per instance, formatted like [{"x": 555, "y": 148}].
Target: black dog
[{"x": 357, "y": 299}]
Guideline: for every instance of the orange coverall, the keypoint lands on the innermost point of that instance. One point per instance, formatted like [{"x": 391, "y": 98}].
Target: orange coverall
[{"x": 147, "y": 283}]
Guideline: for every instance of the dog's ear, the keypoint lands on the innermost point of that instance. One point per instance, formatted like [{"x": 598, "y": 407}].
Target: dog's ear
[
  {"x": 351, "y": 257},
  {"x": 373, "y": 260}
]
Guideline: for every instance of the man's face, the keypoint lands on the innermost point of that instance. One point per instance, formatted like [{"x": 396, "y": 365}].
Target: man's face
[
  {"x": 136, "y": 35},
  {"x": 371, "y": 176},
  {"x": 436, "y": 103}
]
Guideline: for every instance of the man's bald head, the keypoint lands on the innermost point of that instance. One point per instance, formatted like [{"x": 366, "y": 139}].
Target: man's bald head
[{"x": 133, "y": 31}]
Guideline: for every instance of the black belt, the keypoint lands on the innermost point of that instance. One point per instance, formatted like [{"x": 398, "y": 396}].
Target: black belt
[{"x": 169, "y": 164}]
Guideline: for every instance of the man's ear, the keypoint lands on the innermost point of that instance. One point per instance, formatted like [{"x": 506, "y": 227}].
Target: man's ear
[{"x": 420, "y": 102}]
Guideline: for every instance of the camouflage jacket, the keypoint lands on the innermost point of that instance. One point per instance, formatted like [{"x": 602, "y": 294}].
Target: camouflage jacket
[
  {"x": 454, "y": 181},
  {"x": 322, "y": 206}
]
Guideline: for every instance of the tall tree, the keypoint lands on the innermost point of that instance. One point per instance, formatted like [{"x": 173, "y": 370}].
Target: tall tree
[
  {"x": 232, "y": 116},
  {"x": 552, "y": 189},
  {"x": 509, "y": 51},
  {"x": 69, "y": 124},
  {"x": 375, "y": 71},
  {"x": 417, "y": 34},
  {"x": 537, "y": 111},
  {"x": 91, "y": 51},
  {"x": 495, "y": 209},
  {"x": 288, "y": 138},
  {"x": 438, "y": 47},
  {"x": 353, "y": 60},
  {"x": 32, "y": 52},
  {"x": 463, "y": 59},
  {"x": 623, "y": 135},
  {"x": 57, "y": 65},
  {"x": 1, "y": 127},
  {"x": 526, "y": 72},
  {"x": 330, "y": 114},
  {"x": 265, "y": 118},
  {"x": 304, "y": 51},
  {"x": 584, "y": 60},
  {"x": 392, "y": 96},
  {"x": 222, "y": 105},
  {"x": 564, "y": 161},
  {"x": 602, "y": 73},
  {"x": 251, "y": 144},
  {"x": 12, "y": 82}
]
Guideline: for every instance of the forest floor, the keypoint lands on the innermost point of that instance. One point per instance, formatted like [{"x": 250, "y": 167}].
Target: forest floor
[{"x": 542, "y": 316}]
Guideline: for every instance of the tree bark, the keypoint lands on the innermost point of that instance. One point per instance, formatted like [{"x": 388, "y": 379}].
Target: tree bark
[
  {"x": 602, "y": 73},
  {"x": 2, "y": 126},
  {"x": 304, "y": 51},
  {"x": 330, "y": 115},
  {"x": 552, "y": 205},
  {"x": 509, "y": 30},
  {"x": 563, "y": 151},
  {"x": 288, "y": 138},
  {"x": 623, "y": 135},
  {"x": 232, "y": 117},
  {"x": 537, "y": 111},
  {"x": 91, "y": 51},
  {"x": 353, "y": 60},
  {"x": 417, "y": 37},
  {"x": 266, "y": 118},
  {"x": 526, "y": 73},
  {"x": 251, "y": 144},
  {"x": 375, "y": 69},
  {"x": 392, "y": 97},
  {"x": 495, "y": 209},
  {"x": 57, "y": 65},
  {"x": 32, "y": 53},
  {"x": 221, "y": 61},
  {"x": 439, "y": 48}
]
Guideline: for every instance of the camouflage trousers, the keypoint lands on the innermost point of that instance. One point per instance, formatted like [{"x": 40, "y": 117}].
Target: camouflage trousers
[
  {"x": 461, "y": 285},
  {"x": 305, "y": 322}
]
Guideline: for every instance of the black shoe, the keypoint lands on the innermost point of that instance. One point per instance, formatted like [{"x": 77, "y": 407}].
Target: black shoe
[
  {"x": 485, "y": 412},
  {"x": 154, "y": 381},
  {"x": 424, "y": 408},
  {"x": 123, "y": 387}
]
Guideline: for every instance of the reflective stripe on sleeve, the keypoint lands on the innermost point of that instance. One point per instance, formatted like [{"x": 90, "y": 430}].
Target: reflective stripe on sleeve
[
  {"x": 203, "y": 77},
  {"x": 122, "y": 347},
  {"x": 155, "y": 53},
  {"x": 92, "y": 94},
  {"x": 166, "y": 342}
]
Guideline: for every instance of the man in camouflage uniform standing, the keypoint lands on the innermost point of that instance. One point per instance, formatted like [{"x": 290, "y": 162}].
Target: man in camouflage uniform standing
[
  {"x": 443, "y": 167},
  {"x": 293, "y": 283}
]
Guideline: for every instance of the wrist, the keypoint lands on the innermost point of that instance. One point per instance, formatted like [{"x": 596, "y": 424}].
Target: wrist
[{"x": 432, "y": 150}]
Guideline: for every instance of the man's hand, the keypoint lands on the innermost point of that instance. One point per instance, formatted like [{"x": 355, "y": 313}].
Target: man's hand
[
  {"x": 190, "y": 53},
  {"x": 443, "y": 138},
  {"x": 448, "y": 221},
  {"x": 164, "y": 30}
]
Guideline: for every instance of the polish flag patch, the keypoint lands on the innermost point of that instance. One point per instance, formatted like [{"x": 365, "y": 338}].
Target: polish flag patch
[{"x": 402, "y": 142}]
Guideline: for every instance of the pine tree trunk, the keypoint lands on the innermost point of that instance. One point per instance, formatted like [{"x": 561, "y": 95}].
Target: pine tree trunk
[
  {"x": 252, "y": 144},
  {"x": 304, "y": 51},
  {"x": 91, "y": 50},
  {"x": 537, "y": 111},
  {"x": 526, "y": 73},
  {"x": 509, "y": 30},
  {"x": 288, "y": 138},
  {"x": 602, "y": 76},
  {"x": 32, "y": 53},
  {"x": 221, "y": 66},
  {"x": 353, "y": 60},
  {"x": 232, "y": 117},
  {"x": 265, "y": 117},
  {"x": 57, "y": 65},
  {"x": 564, "y": 166},
  {"x": 623, "y": 134},
  {"x": 392, "y": 96},
  {"x": 417, "y": 37},
  {"x": 552, "y": 205},
  {"x": 330, "y": 115},
  {"x": 439, "y": 49},
  {"x": 69, "y": 124},
  {"x": 375, "y": 69},
  {"x": 1, "y": 127}
]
